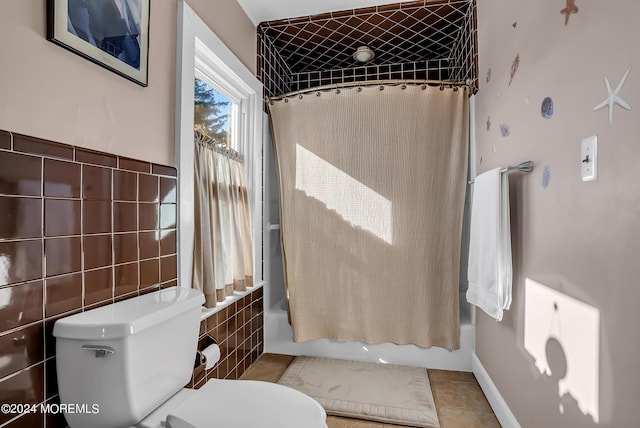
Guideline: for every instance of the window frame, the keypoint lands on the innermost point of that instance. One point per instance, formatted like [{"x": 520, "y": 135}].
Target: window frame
[{"x": 200, "y": 49}]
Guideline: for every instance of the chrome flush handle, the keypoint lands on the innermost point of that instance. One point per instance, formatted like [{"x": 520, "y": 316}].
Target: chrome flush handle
[{"x": 101, "y": 351}]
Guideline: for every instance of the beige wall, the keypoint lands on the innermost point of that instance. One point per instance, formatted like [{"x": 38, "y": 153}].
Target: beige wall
[
  {"x": 582, "y": 239},
  {"x": 49, "y": 92}
]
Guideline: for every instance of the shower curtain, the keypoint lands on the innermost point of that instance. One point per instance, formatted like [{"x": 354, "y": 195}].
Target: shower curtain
[
  {"x": 372, "y": 186},
  {"x": 222, "y": 259}
]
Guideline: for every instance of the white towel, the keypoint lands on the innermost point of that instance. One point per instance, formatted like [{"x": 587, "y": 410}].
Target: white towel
[{"x": 490, "y": 271}]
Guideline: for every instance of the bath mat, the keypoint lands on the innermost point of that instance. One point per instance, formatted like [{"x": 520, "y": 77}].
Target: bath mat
[{"x": 377, "y": 392}]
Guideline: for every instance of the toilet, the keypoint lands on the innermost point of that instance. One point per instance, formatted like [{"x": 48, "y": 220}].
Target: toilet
[{"x": 133, "y": 358}]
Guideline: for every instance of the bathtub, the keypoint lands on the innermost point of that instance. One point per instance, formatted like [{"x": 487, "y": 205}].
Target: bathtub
[{"x": 278, "y": 338}]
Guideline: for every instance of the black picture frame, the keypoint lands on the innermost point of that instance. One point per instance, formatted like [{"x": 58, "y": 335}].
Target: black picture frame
[{"x": 111, "y": 33}]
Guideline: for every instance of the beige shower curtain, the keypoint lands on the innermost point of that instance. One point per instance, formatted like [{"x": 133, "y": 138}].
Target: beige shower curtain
[
  {"x": 372, "y": 186},
  {"x": 222, "y": 259}
]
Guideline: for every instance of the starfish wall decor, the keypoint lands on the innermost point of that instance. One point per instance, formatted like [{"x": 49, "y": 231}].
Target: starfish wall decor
[
  {"x": 613, "y": 98},
  {"x": 568, "y": 10}
]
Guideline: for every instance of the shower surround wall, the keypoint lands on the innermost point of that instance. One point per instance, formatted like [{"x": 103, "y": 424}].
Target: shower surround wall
[
  {"x": 433, "y": 40},
  {"x": 82, "y": 229}
]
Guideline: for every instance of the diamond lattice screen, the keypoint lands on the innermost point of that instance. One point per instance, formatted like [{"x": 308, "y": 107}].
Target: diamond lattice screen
[{"x": 416, "y": 40}]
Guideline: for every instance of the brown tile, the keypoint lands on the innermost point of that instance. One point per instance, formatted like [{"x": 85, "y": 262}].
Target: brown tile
[
  {"x": 125, "y": 217},
  {"x": 450, "y": 418},
  {"x": 21, "y": 348},
  {"x": 61, "y": 217},
  {"x": 125, "y": 247},
  {"x": 268, "y": 368},
  {"x": 21, "y": 305},
  {"x": 96, "y": 182},
  {"x": 147, "y": 188},
  {"x": 38, "y": 146},
  {"x": 63, "y": 294},
  {"x": 149, "y": 272},
  {"x": 149, "y": 216},
  {"x": 61, "y": 179},
  {"x": 49, "y": 338},
  {"x": 18, "y": 254},
  {"x": 50, "y": 379},
  {"x": 25, "y": 387},
  {"x": 29, "y": 420},
  {"x": 436, "y": 376},
  {"x": 20, "y": 174},
  {"x": 55, "y": 420},
  {"x": 460, "y": 396},
  {"x": 20, "y": 218},
  {"x": 164, "y": 170},
  {"x": 96, "y": 216},
  {"x": 168, "y": 215},
  {"x": 168, "y": 190},
  {"x": 169, "y": 284},
  {"x": 97, "y": 251},
  {"x": 98, "y": 285},
  {"x": 96, "y": 158},
  {"x": 5, "y": 140},
  {"x": 168, "y": 268},
  {"x": 147, "y": 290},
  {"x": 62, "y": 255},
  {"x": 134, "y": 165},
  {"x": 126, "y": 278},
  {"x": 168, "y": 242},
  {"x": 125, "y": 186},
  {"x": 149, "y": 246}
]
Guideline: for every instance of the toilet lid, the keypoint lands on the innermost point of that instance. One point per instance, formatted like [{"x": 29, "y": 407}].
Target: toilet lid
[{"x": 247, "y": 403}]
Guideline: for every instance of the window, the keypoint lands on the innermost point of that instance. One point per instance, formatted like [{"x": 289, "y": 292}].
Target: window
[
  {"x": 214, "y": 114},
  {"x": 203, "y": 56}
]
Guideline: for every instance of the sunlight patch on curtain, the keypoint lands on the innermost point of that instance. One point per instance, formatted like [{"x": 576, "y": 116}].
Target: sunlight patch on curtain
[{"x": 352, "y": 200}]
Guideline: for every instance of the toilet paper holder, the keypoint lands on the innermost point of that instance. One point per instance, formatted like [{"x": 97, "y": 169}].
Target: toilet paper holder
[{"x": 201, "y": 353}]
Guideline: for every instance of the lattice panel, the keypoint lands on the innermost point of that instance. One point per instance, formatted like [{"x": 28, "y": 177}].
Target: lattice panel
[
  {"x": 418, "y": 40},
  {"x": 465, "y": 51}
]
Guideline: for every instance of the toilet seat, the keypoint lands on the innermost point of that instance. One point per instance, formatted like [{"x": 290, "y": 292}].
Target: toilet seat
[{"x": 247, "y": 404}]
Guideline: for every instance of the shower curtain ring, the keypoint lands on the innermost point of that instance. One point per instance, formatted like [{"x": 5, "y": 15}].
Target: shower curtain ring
[
  {"x": 299, "y": 97},
  {"x": 381, "y": 87},
  {"x": 318, "y": 94},
  {"x": 404, "y": 86},
  {"x": 442, "y": 87},
  {"x": 424, "y": 87}
]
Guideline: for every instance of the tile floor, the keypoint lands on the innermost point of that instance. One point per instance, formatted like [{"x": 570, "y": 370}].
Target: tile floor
[{"x": 459, "y": 400}]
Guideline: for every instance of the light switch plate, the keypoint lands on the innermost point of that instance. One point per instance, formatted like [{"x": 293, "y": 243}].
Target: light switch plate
[{"x": 589, "y": 158}]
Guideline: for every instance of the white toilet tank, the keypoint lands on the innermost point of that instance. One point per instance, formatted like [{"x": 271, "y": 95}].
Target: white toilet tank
[{"x": 127, "y": 357}]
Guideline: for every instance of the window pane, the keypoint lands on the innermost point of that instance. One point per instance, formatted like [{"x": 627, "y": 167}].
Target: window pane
[{"x": 213, "y": 113}]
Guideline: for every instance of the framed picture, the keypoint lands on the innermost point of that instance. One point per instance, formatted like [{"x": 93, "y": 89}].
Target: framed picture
[{"x": 111, "y": 33}]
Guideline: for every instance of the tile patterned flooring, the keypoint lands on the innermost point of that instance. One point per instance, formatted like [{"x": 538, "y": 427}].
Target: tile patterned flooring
[{"x": 459, "y": 400}]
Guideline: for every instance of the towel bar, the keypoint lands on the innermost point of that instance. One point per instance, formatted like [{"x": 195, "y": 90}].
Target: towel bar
[{"x": 523, "y": 167}]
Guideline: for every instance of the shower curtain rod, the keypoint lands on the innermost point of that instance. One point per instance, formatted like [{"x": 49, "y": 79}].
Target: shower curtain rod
[
  {"x": 394, "y": 82},
  {"x": 221, "y": 148}
]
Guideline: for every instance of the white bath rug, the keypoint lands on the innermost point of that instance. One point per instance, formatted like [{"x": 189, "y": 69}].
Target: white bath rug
[{"x": 376, "y": 392}]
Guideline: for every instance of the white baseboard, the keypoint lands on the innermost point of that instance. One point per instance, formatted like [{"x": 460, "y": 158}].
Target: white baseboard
[{"x": 499, "y": 406}]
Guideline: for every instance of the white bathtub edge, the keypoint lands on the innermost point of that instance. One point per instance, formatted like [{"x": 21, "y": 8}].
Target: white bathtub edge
[{"x": 278, "y": 339}]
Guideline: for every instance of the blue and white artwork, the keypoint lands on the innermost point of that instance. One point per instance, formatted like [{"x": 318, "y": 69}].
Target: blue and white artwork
[
  {"x": 547, "y": 108},
  {"x": 546, "y": 176},
  {"x": 505, "y": 130}
]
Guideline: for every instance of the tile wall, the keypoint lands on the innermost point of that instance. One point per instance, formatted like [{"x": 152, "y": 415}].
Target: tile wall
[
  {"x": 238, "y": 330},
  {"x": 80, "y": 229}
]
